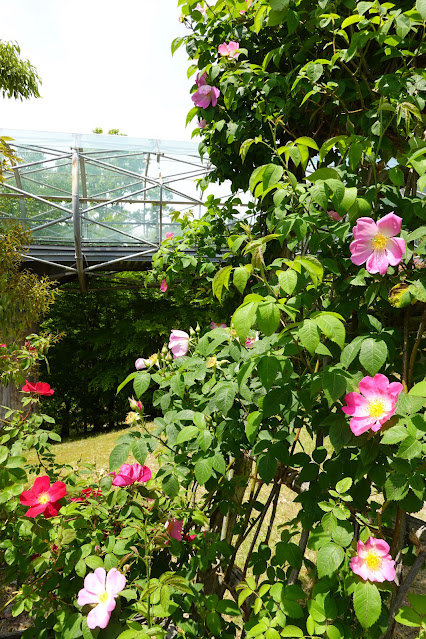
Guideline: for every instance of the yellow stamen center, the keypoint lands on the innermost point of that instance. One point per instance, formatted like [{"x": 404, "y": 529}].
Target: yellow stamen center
[
  {"x": 43, "y": 498},
  {"x": 376, "y": 408},
  {"x": 373, "y": 560},
  {"x": 379, "y": 242},
  {"x": 103, "y": 598}
]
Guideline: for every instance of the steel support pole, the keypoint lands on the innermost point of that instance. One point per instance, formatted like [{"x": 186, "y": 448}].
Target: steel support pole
[{"x": 77, "y": 223}]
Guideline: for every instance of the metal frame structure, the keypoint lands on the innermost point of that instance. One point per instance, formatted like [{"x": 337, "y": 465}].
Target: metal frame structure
[{"x": 93, "y": 195}]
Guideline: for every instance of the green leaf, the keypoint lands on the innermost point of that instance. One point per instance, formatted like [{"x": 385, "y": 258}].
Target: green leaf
[
  {"x": 419, "y": 389},
  {"x": 408, "y": 617},
  {"x": 220, "y": 280},
  {"x": 350, "y": 20},
  {"x": 373, "y": 355},
  {"x": 350, "y": 351},
  {"x": 421, "y": 8},
  {"x": 394, "y": 435},
  {"x": 330, "y": 557},
  {"x": 323, "y": 174},
  {"x": 140, "y": 451},
  {"x": 344, "y": 485},
  {"x": 268, "y": 317},
  {"x": 203, "y": 470},
  {"x": 287, "y": 280},
  {"x": 170, "y": 486},
  {"x": 126, "y": 381},
  {"x": 292, "y": 631},
  {"x": 418, "y": 602},
  {"x": 396, "y": 487},
  {"x": 267, "y": 466},
  {"x": 72, "y": 626},
  {"x": 307, "y": 142},
  {"x": 243, "y": 319},
  {"x": 187, "y": 433},
  {"x": 118, "y": 456},
  {"x": 252, "y": 425},
  {"x": 314, "y": 71},
  {"x": 241, "y": 276},
  {"x": 268, "y": 368},
  {"x": 367, "y": 603},
  {"x": 313, "y": 266},
  {"x": 141, "y": 383},
  {"x": 332, "y": 328},
  {"x": 320, "y": 195},
  {"x": 309, "y": 335},
  {"x": 410, "y": 448},
  {"x": 271, "y": 175},
  {"x": 224, "y": 397}
]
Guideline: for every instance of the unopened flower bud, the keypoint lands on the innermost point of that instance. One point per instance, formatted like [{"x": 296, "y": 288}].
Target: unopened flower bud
[{"x": 192, "y": 332}]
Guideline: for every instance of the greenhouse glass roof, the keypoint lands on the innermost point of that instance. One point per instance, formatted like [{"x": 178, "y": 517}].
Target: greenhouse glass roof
[{"x": 97, "y": 201}]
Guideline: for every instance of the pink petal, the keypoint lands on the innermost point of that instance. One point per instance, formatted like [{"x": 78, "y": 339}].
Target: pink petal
[
  {"x": 178, "y": 334},
  {"x": 388, "y": 569},
  {"x": 99, "y": 617},
  {"x": 41, "y": 485},
  {"x": 28, "y": 498},
  {"x": 51, "y": 509},
  {"x": 377, "y": 263},
  {"x": 395, "y": 249},
  {"x": 95, "y": 581},
  {"x": 380, "y": 545},
  {"x": 201, "y": 79},
  {"x": 360, "y": 425},
  {"x": 215, "y": 93},
  {"x": 356, "y": 405},
  {"x": 57, "y": 491},
  {"x": 223, "y": 49},
  {"x": 85, "y": 597},
  {"x": 395, "y": 388},
  {"x": 389, "y": 225},
  {"x": 35, "y": 510},
  {"x": 365, "y": 229},
  {"x": 370, "y": 387},
  {"x": 115, "y": 582},
  {"x": 360, "y": 251}
]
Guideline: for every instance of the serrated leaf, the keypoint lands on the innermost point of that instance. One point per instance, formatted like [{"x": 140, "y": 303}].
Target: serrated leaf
[
  {"x": 287, "y": 280},
  {"x": 187, "y": 433},
  {"x": 220, "y": 280},
  {"x": 410, "y": 448},
  {"x": 224, "y": 398},
  {"x": 203, "y": 470},
  {"x": 419, "y": 389},
  {"x": 118, "y": 456},
  {"x": 350, "y": 351},
  {"x": 243, "y": 319},
  {"x": 313, "y": 266},
  {"x": 332, "y": 328},
  {"x": 141, "y": 383},
  {"x": 252, "y": 425},
  {"x": 140, "y": 451},
  {"x": 394, "y": 435},
  {"x": 421, "y": 8},
  {"x": 268, "y": 317},
  {"x": 396, "y": 487},
  {"x": 126, "y": 381},
  {"x": 367, "y": 603},
  {"x": 330, "y": 557},
  {"x": 268, "y": 368},
  {"x": 271, "y": 175},
  {"x": 373, "y": 354},
  {"x": 309, "y": 335},
  {"x": 170, "y": 486},
  {"x": 241, "y": 276},
  {"x": 267, "y": 466}
]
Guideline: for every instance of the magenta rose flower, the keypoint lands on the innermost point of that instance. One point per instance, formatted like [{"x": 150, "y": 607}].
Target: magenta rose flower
[
  {"x": 178, "y": 343},
  {"x": 163, "y": 287},
  {"x": 174, "y": 528},
  {"x": 169, "y": 236},
  {"x": 250, "y": 341},
  {"x": 376, "y": 244},
  {"x": 204, "y": 93},
  {"x": 101, "y": 589},
  {"x": 373, "y": 405},
  {"x": 43, "y": 498},
  {"x": 230, "y": 50},
  {"x": 202, "y": 123},
  {"x": 130, "y": 474},
  {"x": 373, "y": 561},
  {"x": 335, "y": 216}
]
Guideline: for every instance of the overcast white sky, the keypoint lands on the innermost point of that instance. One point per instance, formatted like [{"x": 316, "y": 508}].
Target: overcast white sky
[{"x": 103, "y": 63}]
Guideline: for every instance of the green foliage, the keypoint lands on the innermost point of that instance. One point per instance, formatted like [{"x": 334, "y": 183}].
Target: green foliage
[{"x": 18, "y": 78}]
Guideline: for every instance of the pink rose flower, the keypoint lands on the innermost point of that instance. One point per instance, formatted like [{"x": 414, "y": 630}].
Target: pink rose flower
[
  {"x": 174, "y": 528},
  {"x": 41, "y": 388},
  {"x": 373, "y": 405},
  {"x": 204, "y": 95},
  {"x": 214, "y": 325},
  {"x": 335, "y": 216},
  {"x": 201, "y": 79},
  {"x": 135, "y": 405},
  {"x": 230, "y": 50},
  {"x": 130, "y": 474},
  {"x": 101, "y": 589},
  {"x": 178, "y": 343},
  {"x": 163, "y": 287},
  {"x": 373, "y": 561},
  {"x": 169, "y": 236},
  {"x": 43, "y": 497},
  {"x": 3, "y": 346},
  {"x": 375, "y": 243},
  {"x": 202, "y": 123},
  {"x": 250, "y": 341},
  {"x": 141, "y": 363}
]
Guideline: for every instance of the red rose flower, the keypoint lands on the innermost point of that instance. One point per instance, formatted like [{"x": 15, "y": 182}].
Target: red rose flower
[
  {"x": 41, "y": 388},
  {"x": 43, "y": 497}
]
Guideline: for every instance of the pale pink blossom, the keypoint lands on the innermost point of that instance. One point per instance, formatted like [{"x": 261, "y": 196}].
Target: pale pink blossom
[
  {"x": 131, "y": 474},
  {"x": 373, "y": 405},
  {"x": 141, "y": 363},
  {"x": 169, "y": 236},
  {"x": 163, "y": 287},
  {"x": 101, "y": 589},
  {"x": 335, "y": 216},
  {"x": 250, "y": 341},
  {"x": 230, "y": 51},
  {"x": 201, "y": 79},
  {"x": 204, "y": 95},
  {"x": 174, "y": 528},
  {"x": 214, "y": 325},
  {"x": 201, "y": 9},
  {"x": 373, "y": 561},
  {"x": 178, "y": 343},
  {"x": 376, "y": 244},
  {"x": 202, "y": 123}
]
